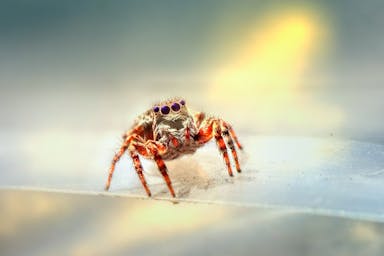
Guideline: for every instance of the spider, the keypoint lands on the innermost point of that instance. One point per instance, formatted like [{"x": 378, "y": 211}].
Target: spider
[{"x": 167, "y": 131}]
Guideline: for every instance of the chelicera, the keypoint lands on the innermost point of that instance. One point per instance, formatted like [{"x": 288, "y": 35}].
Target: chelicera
[{"x": 169, "y": 130}]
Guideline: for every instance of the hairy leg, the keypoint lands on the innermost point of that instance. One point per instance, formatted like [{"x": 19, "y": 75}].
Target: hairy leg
[
  {"x": 139, "y": 170},
  {"x": 115, "y": 159},
  {"x": 211, "y": 128},
  {"x": 223, "y": 149},
  {"x": 227, "y": 136},
  {"x": 153, "y": 148},
  {"x": 199, "y": 118},
  {"x": 163, "y": 170},
  {"x": 233, "y": 134}
]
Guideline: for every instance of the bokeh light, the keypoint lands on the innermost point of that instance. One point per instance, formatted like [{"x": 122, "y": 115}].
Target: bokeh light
[{"x": 266, "y": 76}]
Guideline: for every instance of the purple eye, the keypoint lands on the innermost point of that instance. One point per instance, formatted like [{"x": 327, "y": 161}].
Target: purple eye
[
  {"x": 165, "y": 110},
  {"x": 175, "y": 107},
  {"x": 156, "y": 109},
  {"x": 182, "y": 102}
]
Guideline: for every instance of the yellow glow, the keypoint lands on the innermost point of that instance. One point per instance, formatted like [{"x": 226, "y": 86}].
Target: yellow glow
[
  {"x": 267, "y": 71},
  {"x": 146, "y": 221},
  {"x": 41, "y": 208},
  {"x": 365, "y": 232},
  {"x": 271, "y": 55}
]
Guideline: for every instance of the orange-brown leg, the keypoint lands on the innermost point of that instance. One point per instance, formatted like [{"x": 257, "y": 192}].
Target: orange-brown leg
[
  {"x": 139, "y": 170},
  {"x": 229, "y": 140},
  {"x": 163, "y": 170},
  {"x": 212, "y": 128},
  {"x": 205, "y": 133},
  {"x": 233, "y": 134},
  {"x": 223, "y": 149},
  {"x": 199, "y": 118},
  {"x": 115, "y": 159},
  {"x": 153, "y": 148}
]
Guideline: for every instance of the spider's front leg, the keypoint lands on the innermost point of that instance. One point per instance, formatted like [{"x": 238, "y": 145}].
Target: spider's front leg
[
  {"x": 150, "y": 148},
  {"x": 163, "y": 170},
  {"x": 115, "y": 159},
  {"x": 155, "y": 149},
  {"x": 215, "y": 127},
  {"x": 139, "y": 170},
  {"x": 130, "y": 142}
]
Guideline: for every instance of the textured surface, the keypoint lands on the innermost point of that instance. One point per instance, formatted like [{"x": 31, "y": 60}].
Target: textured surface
[
  {"x": 63, "y": 224},
  {"x": 326, "y": 175}
]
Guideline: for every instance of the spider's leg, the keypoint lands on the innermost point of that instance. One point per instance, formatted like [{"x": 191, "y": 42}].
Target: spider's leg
[
  {"x": 145, "y": 149},
  {"x": 155, "y": 148},
  {"x": 207, "y": 131},
  {"x": 225, "y": 132},
  {"x": 163, "y": 170},
  {"x": 139, "y": 170},
  {"x": 199, "y": 118},
  {"x": 223, "y": 148},
  {"x": 115, "y": 159},
  {"x": 233, "y": 134}
]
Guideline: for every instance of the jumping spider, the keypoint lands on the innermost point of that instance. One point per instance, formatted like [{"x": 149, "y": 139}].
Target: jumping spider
[{"x": 168, "y": 131}]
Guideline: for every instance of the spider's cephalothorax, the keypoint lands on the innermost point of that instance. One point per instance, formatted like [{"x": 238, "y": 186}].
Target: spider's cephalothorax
[{"x": 169, "y": 130}]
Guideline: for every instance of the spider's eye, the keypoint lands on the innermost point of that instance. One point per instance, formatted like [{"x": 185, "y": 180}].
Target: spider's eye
[
  {"x": 175, "y": 107},
  {"x": 165, "y": 110},
  {"x": 156, "y": 109},
  {"x": 182, "y": 102}
]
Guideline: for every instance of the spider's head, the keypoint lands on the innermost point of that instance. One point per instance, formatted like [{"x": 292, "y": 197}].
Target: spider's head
[
  {"x": 170, "y": 108},
  {"x": 172, "y": 112}
]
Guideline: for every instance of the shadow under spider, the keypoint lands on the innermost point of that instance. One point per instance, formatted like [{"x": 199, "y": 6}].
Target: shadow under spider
[{"x": 188, "y": 174}]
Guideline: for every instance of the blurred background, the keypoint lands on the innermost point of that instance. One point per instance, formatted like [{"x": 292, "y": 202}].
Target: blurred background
[
  {"x": 75, "y": 74},
  {"x": 302, "y": 67}
]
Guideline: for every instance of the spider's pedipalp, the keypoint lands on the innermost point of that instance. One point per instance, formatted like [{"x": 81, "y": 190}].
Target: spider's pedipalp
[{"x": 187, "y": 135}]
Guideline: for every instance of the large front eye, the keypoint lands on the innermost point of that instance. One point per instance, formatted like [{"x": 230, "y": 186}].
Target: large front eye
[
  {"x": 175, "y": 107},
  {"x": 165, "y": 110}
]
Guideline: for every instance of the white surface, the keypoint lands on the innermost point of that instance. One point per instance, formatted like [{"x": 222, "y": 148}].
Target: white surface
[
  {"x": 41, "y": 223},
  {"x": 327, "y": 175}
]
